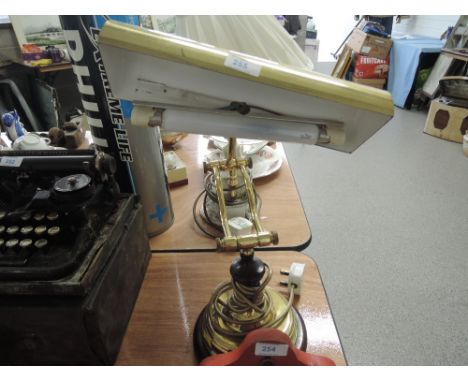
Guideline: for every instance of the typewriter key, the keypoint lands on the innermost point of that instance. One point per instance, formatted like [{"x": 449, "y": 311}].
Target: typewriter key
[
  {"x": 52, "y": 216},
  {"x": 39, "y": 216},
  {"x": 26, "y": 216},
  {"x": 12, "y": 243},
  {"x": 2, "y": 228},
  {"x": 2, "y": 241},
  {"x": 12, "y": 230},
  {"x": 53, "y": 231},
  {"x": 40, "y": 244},
  {"x": 26, "y": 230},
  {"x": 40, "y": 229},
  {"x": 25, "y": 243},
  {"x": 2, "y": 214}
]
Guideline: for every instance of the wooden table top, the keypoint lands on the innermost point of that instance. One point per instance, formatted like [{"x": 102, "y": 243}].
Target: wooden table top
[
  {"x": 176, "y": 288},
  {"x": 281, "y": 205}
]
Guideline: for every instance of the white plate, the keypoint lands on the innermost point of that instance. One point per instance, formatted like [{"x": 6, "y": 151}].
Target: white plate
[
  {"x": 248, "y": 146},
  {"x": 266, "y": 161}
]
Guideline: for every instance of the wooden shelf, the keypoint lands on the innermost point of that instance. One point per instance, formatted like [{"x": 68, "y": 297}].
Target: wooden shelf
[
  {"x": 55, "y": 67},
  {"x": 49, "y": 68}
]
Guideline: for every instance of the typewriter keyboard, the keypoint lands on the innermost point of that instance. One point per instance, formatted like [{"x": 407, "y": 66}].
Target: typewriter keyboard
[{"x": 27, "y": 234}]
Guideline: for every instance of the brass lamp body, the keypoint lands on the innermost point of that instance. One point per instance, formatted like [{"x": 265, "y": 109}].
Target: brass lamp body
[{"x": 245, "y": 302}]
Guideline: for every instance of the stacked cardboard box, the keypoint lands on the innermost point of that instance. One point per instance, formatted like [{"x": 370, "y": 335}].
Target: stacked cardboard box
[
  {"x": 374, "y": 82},
  {"x": 369, "y": 45},
  {"x": 370, "y": 58}
]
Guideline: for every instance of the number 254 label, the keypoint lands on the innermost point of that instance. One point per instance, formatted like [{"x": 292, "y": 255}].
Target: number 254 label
[{"x": 270, "y": 349}]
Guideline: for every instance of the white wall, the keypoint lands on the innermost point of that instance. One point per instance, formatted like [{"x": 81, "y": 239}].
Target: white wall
[
  {"x": 332, "y": 30},
  {"x": 430, "y": 26}
]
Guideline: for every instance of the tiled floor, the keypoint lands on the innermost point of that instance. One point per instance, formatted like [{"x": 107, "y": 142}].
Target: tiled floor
[{"x": 390, "y": 236}]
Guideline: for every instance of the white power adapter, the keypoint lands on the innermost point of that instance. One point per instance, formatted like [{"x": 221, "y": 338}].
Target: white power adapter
[
  {"x": 240, "y": 226},
  {"x": 295, "y": 277}
]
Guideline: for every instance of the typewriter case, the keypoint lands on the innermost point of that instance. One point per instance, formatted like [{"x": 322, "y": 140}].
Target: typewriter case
[{"x": 77, "y": 315}]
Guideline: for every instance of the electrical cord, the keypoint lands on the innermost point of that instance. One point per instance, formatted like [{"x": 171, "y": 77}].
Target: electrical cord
[
  {"x": 244, "y": 108},
  {"x": 248, "y": 308},
  {"x": 195, "y": 215}
]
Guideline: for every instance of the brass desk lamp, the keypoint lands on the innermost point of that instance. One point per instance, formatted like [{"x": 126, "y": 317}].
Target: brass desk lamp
[
  {"x": 245, "y": 302},
  {"x": 182, "y": 85}
]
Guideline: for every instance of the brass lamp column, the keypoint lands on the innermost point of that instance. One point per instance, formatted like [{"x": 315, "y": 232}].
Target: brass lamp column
[
  {"x": 237, "y": 169},
  {"x": 245, "y": 302}
]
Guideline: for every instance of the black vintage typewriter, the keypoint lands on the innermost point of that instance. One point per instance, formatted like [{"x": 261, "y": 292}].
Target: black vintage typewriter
[
  {"x": 73, "y": 253},
  {"x": 50, "y": 215}
]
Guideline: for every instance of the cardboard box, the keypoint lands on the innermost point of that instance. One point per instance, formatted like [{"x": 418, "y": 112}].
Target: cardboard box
[
  {"x": 446, "y": 122},
  {"x": 370, "y": 67},
  {"x": 176, "y": 170},
  {"x": 369, "y": 45},
  {"x": 374, "y": 82}
]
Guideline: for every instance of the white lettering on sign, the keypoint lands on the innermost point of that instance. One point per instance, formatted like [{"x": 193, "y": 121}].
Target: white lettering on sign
[
  {"x": 75, "y": 46},
  {"x": 11, "y": 161},
  {"x": 271, "y": 350},
  {"x": 95, "y": 122},
  {"x": 123, "y": 145},
  {"x": 81, "y": 71},
  {"x": 75, "y": 49},
  {"x": 371, "y": 60},
  {"x": 242, "y": 65}
]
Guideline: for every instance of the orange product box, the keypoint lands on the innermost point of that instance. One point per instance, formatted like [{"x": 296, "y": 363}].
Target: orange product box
[{"x": 370, "y": 67}]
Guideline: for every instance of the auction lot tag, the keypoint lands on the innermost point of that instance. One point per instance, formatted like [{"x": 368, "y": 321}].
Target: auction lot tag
[
  {"x": 11, "y": 161},
  {"x": 271, "y": 350},
  {"x": 242, "y": 65}
]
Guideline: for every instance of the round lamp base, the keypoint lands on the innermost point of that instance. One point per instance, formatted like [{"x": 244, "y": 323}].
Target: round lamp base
[{"x": 202, "y": 350}]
